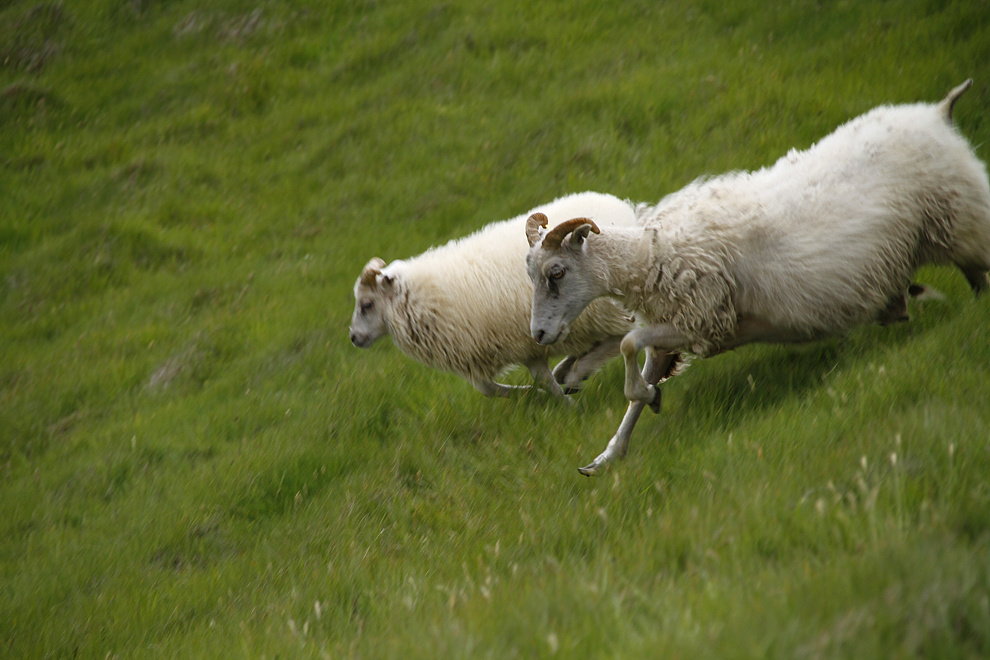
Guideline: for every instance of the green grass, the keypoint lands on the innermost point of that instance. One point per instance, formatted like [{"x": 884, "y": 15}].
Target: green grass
[{"x": 194, "y": 462}]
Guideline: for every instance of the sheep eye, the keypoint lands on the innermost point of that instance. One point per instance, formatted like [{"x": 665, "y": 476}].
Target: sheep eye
[
  {"x": 367, "y": 306},
  {"x": 555, "y": 272}
]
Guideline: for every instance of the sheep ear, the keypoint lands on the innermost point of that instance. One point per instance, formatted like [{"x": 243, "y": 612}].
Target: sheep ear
[
  {"x": 579, "y": 235},
  {"x": 387, "y": 281},
  {"x": 372, "y": 270}
]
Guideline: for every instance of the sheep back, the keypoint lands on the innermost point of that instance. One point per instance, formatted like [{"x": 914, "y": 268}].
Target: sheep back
[{"x": 821, "y": 240}]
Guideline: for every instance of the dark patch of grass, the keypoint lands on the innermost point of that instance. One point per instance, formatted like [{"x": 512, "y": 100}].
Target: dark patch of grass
[
  {"x": 92, "y": 259},
  {"x": 289, "y": 483},
  {"x": 199, "y": 548},
  {"x": 31, "y": 37},
  {"x": 23, "y": 102}
]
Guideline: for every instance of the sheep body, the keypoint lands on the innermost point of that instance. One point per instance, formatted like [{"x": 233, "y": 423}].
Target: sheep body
[
  {"x": 464, "y": 306},
  {"x": 820, "y": 242}
]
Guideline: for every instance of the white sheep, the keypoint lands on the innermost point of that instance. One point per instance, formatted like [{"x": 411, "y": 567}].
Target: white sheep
[
  {"x": 464, "y": 306},
  {"x": 822, "y": 241}
]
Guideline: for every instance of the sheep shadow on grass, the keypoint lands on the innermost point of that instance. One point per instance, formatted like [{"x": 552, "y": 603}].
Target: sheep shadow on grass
[{"x": 728, "y": 389}]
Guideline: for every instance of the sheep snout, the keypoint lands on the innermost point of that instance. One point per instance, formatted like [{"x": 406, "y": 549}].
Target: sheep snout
[{"x": 361, "y": 341}]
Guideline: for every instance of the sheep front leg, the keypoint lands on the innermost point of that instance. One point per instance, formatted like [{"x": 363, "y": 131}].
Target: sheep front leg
[
  {"x": 541, "y": 373},
  {"x": 656, "y": 367},
  {"x": 587, "y": 364},
  {"x": 563, "y": 368},
  {"x": 661, "y": 337}
]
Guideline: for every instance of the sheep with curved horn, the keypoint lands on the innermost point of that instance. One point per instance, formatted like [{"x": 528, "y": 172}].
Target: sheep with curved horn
[{"x": 824, "y": 240}]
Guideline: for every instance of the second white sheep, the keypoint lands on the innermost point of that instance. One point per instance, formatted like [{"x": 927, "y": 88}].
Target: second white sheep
[{"x": 464, "y": 306}]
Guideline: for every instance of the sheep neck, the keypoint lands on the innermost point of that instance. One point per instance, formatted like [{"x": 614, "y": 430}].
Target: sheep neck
[{"x": 627, "y": 255}]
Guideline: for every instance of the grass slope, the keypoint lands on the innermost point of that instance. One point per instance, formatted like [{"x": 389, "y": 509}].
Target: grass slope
[{"x": 194, "y": 462}]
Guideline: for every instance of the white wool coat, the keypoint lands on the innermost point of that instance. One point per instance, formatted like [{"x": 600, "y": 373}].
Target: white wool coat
[
  {"x": 465, "y": 306},
  {"x": 824, "y": 238}
]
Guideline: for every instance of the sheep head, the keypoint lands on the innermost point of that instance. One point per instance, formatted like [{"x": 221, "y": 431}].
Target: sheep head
[
  {"x": 564, "y": 280},
  {"x": 372, "y": 291}
]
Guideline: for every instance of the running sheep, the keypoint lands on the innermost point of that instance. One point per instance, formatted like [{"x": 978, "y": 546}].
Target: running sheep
[
  {"x": 824, "y": 240},
  {"x": 464, "y": 306}
]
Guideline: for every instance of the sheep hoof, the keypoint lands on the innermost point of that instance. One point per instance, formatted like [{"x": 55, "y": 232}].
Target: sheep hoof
[
  {"x": 589, "y": 470},
  {"x": 595, "y": 468},
  {"x": 655, "y": 404}
]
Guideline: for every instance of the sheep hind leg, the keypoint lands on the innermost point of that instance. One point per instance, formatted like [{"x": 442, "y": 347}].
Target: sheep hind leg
[
  {"x": 977, "y": 278},
  {"x": 655, "y": 368},
  {"x": 896, "y": 310}
]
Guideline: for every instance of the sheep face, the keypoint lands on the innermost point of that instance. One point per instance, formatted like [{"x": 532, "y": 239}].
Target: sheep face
[
  {"x": 563, "y": 283},
  {"x": 371, "y": 293}
]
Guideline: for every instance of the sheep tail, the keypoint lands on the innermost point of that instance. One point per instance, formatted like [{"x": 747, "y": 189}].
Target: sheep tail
[{"x": 945, "y": 107}]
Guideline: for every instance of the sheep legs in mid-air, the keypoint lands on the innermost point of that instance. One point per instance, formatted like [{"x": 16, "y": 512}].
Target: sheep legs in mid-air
[
  {"x": 566, "y": 378},
  {"x": 658, "y": 366},
  {"x": 640, "y": 388},
  {"x": 655, "y": 338},
  {"x": 541, "y": 373},
  {"x": 664, "y": 340},
  {"x": 572, "y": 371}
]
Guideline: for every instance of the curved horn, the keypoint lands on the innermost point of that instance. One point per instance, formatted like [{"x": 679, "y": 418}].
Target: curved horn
[
  {"x": 553, "y": 239},
  {"x": 945, "y": 107},
  {"x": 533, "y": 225},
  {"x": 371, "y": 270}
]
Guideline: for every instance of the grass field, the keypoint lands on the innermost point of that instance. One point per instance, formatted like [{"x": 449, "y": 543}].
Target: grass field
[{"x": 195, "y": 462}]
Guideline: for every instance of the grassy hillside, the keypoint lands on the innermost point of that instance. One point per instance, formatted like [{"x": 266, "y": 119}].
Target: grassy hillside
[{"x": 194, "y": 462}]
